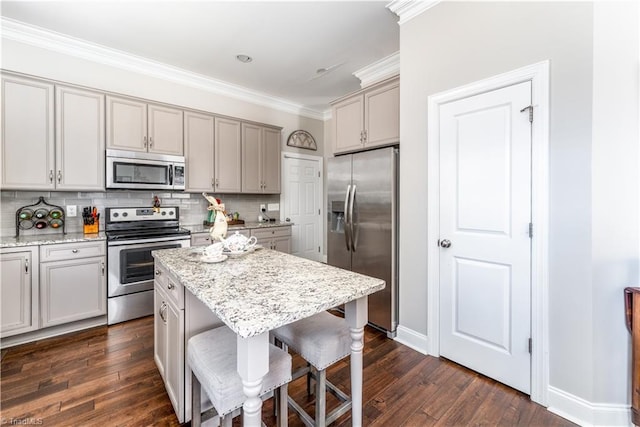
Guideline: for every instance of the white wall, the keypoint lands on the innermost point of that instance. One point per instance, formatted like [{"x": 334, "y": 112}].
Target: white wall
[{"x": 456, "y": 43}]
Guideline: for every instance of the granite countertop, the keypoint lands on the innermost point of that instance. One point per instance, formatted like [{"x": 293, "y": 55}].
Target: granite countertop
[
  {"x": 49, "y": 239},
  {"x": 199, "y": 228},
  {"x": 265, "y": 289}
]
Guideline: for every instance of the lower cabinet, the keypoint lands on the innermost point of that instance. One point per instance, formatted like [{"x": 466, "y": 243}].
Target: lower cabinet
[
  {"x": 277, "y": 238},
  {"x": 51, "y": 289},
  {"x": 73, "y": 282},
  {"x": 169, "y": 347},
  {"x": 18, "y": 290},
  {"x": 178, "y": 315}
]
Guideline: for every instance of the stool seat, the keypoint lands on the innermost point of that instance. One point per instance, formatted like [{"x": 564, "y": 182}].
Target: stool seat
[
  {"x": 322, "y": 339},
  {"x": 212, "y": 357}
]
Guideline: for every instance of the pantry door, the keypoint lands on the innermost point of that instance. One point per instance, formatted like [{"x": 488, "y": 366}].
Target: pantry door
[{"x": 485, "y": 244}]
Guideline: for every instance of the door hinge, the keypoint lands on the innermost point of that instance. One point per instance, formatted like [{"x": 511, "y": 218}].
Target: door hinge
[
  {"x": 318, "y": 211},
  {"x": 531, "y": 230},
  {"x": 530, "y": 108},
  {"x": 530, "y": 345},
  {"x": 318, "y": 174},
  {"x": 318, "y": 249}
]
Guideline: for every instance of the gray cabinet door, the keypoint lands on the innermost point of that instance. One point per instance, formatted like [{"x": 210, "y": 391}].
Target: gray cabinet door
[
  {"x": 271, "y": 150},
  {"x": 18, "y": 292},
  {"x": 160, "y": 337},
  {"x": 227, "y": 156},
  {"x": 251, "y": 158},
  {"x": 79, "y": 139},
  {"x": 27, "y": 158},
  {"x": 348, "y": 124},
  {"x": 82, "y": 279},
  {"x": 126, "y": 124},
  {"x": 165, "y": 130},
  {"x": 199, "y": 151},
  {"x": 382, "y": 115},
  {"x": 282, "y": 244}
]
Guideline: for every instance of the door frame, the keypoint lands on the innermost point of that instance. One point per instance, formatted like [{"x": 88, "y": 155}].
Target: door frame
[
  {"x": 321, "y": 197},
  {"x": 538, "y": 74}
]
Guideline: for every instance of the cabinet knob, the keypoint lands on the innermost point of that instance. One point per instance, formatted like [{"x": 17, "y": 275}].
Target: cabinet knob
[
  {"x": 170, "y": 286},
  {"x": 158, "y": 272},
  {"x": 75, "y": 251}
]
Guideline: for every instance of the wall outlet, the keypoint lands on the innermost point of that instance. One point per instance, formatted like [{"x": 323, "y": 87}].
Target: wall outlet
[
  {"x": 273, "y": 206},
  {"x": 263, "y": 207},
  {"x": 72, "y": 210}
]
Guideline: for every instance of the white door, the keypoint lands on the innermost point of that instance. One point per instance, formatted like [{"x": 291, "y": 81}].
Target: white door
[
  {"x": 485, "y": 248},
  {"x": 301, "y": 197}
]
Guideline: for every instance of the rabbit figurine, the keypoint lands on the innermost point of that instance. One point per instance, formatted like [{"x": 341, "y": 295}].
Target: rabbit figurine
[{"x": 219, "y": 229}]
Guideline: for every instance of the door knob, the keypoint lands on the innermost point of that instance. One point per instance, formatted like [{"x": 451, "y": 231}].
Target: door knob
[{"x": 445, "y": 243}]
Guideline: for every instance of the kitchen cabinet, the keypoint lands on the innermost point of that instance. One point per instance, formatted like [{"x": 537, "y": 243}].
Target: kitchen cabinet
[
  {"x": 204, "y": 239},
  {"x": 135, "y": 125},
  {"x": 261, "y": 149},
  {"x": 18, "y": 290},
  {"x": 73, "y": 271},
  {"x": 199, "y": 151},
  {"x": 227, "y": 156},
  {"x": 80, "y": 156},
  {"x": 169, "y": 343},
  {"x": 367, "y": 119},
  {"x": 28, "y": 155},
  {"x": 277, "y": 238},
  {"x": 34, "y": 157}
]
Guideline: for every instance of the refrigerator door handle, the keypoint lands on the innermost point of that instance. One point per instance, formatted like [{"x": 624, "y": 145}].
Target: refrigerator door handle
[
  {"x": 347, "y": 219},
  {"x": 353, "y": 232}
]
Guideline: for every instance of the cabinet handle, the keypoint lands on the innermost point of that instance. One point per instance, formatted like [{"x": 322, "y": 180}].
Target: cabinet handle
[
  {"x": 26, "y": 266},
  {"x": 163, "y": 308},
  {"x": 170, "y": 286},
  {"x": 150, "y": 141},
  {"x": 144, "y": 140},
  {"x": 59, "y": 176},
  {"x": 365, "y": 136},
  {"x": 217, "y": 182},
  {"x": 102, "y": 265},
  {"x": 51, "y": 175},
  {"x": 213, "y": 182},
  {"x": 360, "y": 137},
  {"x": 75, "y": 251}
]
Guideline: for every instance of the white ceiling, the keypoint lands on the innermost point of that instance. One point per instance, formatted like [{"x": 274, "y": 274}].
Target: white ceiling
[{"x": 288, "y": 41}]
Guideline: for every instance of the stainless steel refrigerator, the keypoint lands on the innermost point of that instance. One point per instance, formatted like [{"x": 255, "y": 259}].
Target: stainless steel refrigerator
[{"x": 362, "y": 190}]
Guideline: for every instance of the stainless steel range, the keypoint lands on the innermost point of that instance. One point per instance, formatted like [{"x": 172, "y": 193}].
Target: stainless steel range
[{"x": 132, "y": 233}]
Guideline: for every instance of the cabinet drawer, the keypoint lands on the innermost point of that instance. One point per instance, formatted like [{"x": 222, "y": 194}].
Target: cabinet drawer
[
  {"x": 271, "y": 232},
  {"x": 64, "y": 251},
  {"x": 200, "y": 239},
  {"x": 170, "y": 286}
]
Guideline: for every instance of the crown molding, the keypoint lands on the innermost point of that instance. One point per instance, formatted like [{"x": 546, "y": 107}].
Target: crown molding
[
  {"x": 35, "y": 36},
  {"x": 379, "y": 70},
  {"x": 409, "y": 9}
]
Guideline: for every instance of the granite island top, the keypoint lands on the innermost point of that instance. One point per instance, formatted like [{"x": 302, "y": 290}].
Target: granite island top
[
  {"x": 48, "y": 239},
  {"x": 264, "y": 289}
]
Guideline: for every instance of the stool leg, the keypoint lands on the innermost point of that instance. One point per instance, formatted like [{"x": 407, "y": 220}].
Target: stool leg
[
  {"x": 195, "y": 401},
  {"x": 321, "y": 398},
  {"x": 282, "y": 400},
  {"x": 309, "y": 390},
  {"x": 226, "y": 421}
]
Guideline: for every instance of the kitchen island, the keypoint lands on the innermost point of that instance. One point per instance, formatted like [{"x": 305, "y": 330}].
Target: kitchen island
[{"x": 263, "y": 290}]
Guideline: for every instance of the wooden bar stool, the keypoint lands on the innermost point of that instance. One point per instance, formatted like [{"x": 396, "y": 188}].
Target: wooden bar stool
[
  {"x": 321, "y": 340},
  {"x": 212, "y": 356}
]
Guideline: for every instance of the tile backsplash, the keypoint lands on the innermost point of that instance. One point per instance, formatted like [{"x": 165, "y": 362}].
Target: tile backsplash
[{"x": 193, "y": 207}]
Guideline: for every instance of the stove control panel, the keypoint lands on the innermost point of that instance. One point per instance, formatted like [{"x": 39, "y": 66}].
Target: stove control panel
[{"x": 141, "y": 214}]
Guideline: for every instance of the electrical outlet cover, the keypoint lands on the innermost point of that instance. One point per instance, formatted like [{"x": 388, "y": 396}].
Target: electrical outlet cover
[
  {"x": 72, "y": 210},
  {"x": 273, "y": 206},
  {"x": 262, "y": 207}
]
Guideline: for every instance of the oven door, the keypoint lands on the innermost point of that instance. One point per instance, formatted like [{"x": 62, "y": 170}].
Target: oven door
[{"x": 130, "y": 263}]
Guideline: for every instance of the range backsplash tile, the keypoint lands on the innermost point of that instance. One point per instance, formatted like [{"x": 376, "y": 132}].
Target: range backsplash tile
[{"x": 193, "y": 207}]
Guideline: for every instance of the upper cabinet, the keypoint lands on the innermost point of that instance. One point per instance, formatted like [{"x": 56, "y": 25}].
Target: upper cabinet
[
  {"x": 368, "y": 118},
  {"x": 36, "y": 157},
  {"x": 199, "y": 151},
  {"x": 138, "y": 126},
  {"x": 260, "y": 159},
  {"x": 228, "y": 157}
]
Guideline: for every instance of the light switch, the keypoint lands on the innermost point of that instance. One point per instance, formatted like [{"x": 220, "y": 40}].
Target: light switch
[{"x": 273, "y": 206}]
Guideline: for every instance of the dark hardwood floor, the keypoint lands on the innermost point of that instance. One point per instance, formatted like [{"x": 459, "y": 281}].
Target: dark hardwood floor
[{"x": 107, "y": 376}]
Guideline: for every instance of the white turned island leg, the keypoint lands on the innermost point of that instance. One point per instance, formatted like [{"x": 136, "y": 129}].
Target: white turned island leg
[
  {"x": 356, "y": 315},
  {"x": 253, "y": 365}
]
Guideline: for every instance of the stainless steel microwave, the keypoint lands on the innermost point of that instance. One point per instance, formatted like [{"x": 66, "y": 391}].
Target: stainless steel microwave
[{"x": 144, "y": 171}]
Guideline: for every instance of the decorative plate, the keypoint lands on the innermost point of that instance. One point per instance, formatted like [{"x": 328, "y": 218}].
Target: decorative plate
[{"x": 302, "y": 139}]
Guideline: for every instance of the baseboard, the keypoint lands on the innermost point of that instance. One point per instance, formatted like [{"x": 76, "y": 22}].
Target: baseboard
[
  {"x": 412, "y": 339},
  {"x": 584, "y": 413}
]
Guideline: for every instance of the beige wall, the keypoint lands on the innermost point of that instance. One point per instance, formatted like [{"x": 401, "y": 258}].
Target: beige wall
[{"x": 456, "y": 43}]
